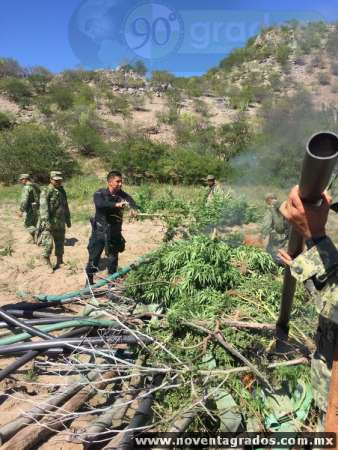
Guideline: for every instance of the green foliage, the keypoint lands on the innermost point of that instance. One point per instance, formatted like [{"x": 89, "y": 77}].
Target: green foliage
[
  {"x": 118, "y": 104},
  {"x": 137, "y": 158},
  {"x": 141, "y": 159},
  {"x": 87, "y": 139},
  {"x": 283, "y": 52},
  {"x": 62, "y": 96},
  {"x": 332, "y": 43},
  {"x": 5, "y": 121},
  {"x": 137, "y": 102},
  {"x": 84, "y": 95},
  {"x": 236, "y": 58},
  {"x": 138, "y": 67},
  {"x": 204, "y": 279},
  {"x": 34, "y": 149},
  {"x": 78, "y": 76},
  {"x": 201, "y": 107},
  {"x": 17, "y": 90},
  {"x": 9, "y": 67},
  {"x": 39, "y": 77},
  {"x": 286, "y": 127},
  {"x": 161, "y": 77}
]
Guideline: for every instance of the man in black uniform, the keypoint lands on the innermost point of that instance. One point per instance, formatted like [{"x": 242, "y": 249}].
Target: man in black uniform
[{"x": 107, "y": 224}]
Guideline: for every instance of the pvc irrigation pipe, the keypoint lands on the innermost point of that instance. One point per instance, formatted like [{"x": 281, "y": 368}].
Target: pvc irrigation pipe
[
  {"x": 19, "y": 323},
  {"x": 88, "y": 290},
  {"x": 60, "y": 326},
  {"x": 44, "y": 321},
  {"x": 68, "y": 343}
]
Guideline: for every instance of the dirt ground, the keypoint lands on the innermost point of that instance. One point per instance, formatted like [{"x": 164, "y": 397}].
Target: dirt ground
[{"x": 23, "y": 273}]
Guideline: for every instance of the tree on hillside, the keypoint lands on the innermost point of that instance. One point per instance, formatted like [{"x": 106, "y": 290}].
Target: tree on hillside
[{"x": 9, "y": 67}]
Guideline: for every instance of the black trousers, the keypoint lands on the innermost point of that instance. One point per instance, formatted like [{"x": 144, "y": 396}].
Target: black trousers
[{"x": 108, "y": 239}]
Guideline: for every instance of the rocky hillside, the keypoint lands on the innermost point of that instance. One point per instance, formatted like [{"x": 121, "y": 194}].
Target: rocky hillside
[{"x": 216, "y": 114}]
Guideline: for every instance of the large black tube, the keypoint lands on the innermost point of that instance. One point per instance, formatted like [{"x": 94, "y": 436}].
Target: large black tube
[
  {"x": 320, "y": 159},
  {"x": 23, "y": 326},
  {"x": 31, "y": 354},
  {"x": 68, "y": 343},
  {"x": 23, "y": 313}
]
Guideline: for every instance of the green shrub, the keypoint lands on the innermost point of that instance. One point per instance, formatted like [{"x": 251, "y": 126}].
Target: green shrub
[
  {"x": 9, "y": 67},
  {"x": 87, "y": 139},
  {"x": 162, "y": 76},
  {"x": 78, "y": 75},
  {"x": 34, "y": 149},
  {"x": 236, "y": 58},
  {"x": 324, "y": 79},
  {"x": 17, "y": 90},
  {"x": 62, "y": 95},
  {"x": 186, "y": 166},
  {"x": 286, "y": 127},
  {"x": 39, "y": 78},
  {"x": 240, "y": 98},
  {"x": 137, "y": 102},
  {"x": 137, "y": 158},
  {"x": 84, "y": 95},
  {"x": 141, "y": 159},
  {"x": 332, "y": 43},
  {"x": 282, "y": 54},
  {"x": 5, "y": 121},
  {"x": 201, "y": 107},
  {"x": 118, "y": 104},
  {"x": 135, "y": 83}
]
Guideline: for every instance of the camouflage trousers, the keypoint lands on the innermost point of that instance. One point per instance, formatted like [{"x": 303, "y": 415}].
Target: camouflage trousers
[
  {"x": 321, "y": 365},
  {"x": 56, "y": 237},
  {"x": 30, "y": 222}
]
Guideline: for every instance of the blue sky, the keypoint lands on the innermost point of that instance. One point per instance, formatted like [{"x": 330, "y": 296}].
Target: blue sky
[{"x": 185, "y": 37}]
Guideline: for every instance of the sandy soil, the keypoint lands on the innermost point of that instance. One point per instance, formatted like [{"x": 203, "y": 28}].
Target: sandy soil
[{"x": 24, "y": 273}]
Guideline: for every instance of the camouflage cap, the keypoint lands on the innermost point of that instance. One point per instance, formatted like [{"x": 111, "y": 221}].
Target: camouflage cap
[
  {"x": 210, "y": 178},
  {"x": 57, "y": 178},
  {"x": 23, "y": 176},
  {"x": 55, "y": 173}
]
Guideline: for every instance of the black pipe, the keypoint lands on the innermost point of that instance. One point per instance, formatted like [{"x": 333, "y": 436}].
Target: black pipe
[
  {"x": 23, "y": 326},
  {"x": 31, "y": 354},
  {"x": 68, "y": 343},
  {"x": 320, "y": 159},
  {"x": 142, "y": 416},
  {"x": 23, "y": 313},
  {"x": 45, "y": 321}
]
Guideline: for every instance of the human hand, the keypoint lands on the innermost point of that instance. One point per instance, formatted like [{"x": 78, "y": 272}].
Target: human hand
[
  {"x": 133, "y": 213},
  {"x": 121, "y": 204},
  {"x": 308, "y": 220},
  {"x": 285, "y": 257}
]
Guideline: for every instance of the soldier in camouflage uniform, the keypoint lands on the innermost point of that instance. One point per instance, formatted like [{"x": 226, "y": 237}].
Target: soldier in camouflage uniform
[
  {"x": 29, "y": 204},
  {"x": 275, "y": 227},
  {"x": 54, "y": 216},
  {"x": 212, "y": 189},
  {"x": 317, "y": 266}
]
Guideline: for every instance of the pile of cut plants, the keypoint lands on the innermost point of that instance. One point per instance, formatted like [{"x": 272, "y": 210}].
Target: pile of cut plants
[
  {"x": 211, "y": 308},
  {"x": 181, "y": 340}
]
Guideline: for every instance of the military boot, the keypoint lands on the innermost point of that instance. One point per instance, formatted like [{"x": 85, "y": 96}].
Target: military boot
[
  {"x": 59, "y": 262},
  {"x": 49, "y": 266}
]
